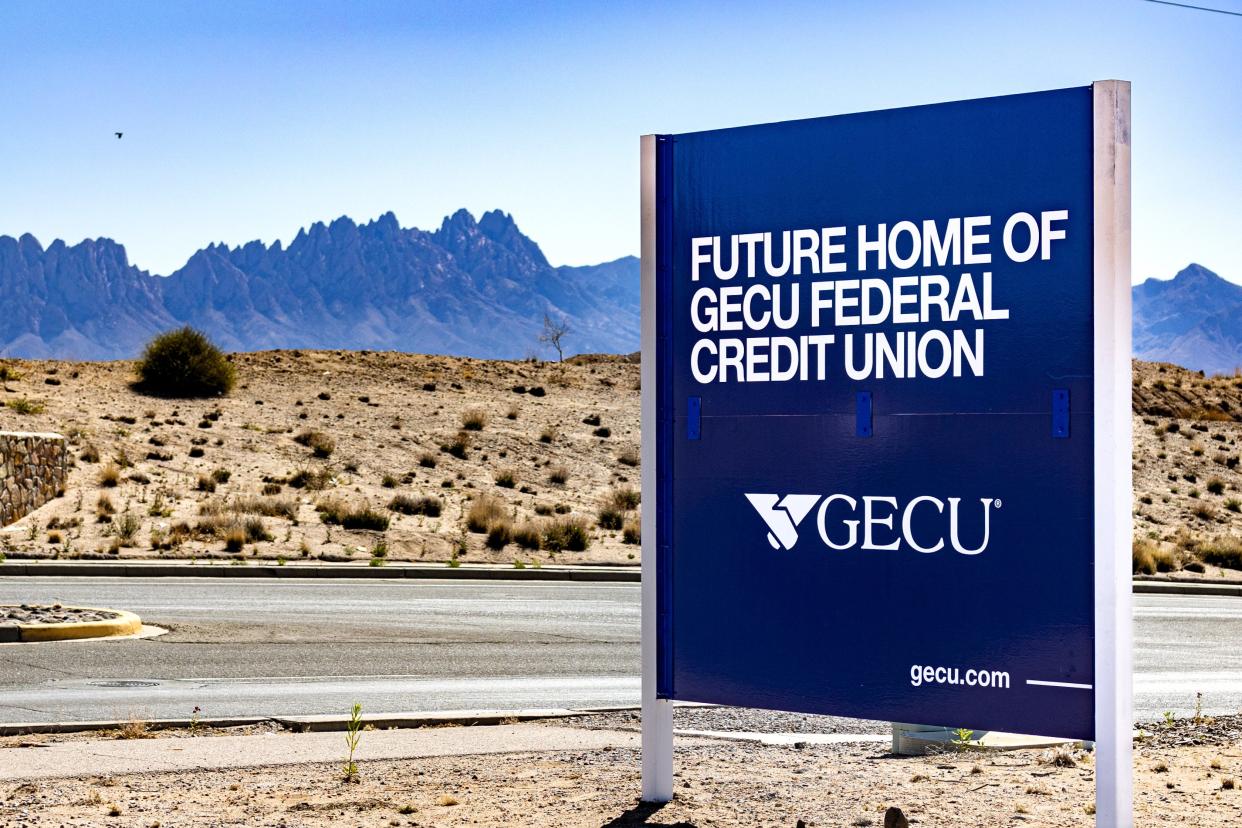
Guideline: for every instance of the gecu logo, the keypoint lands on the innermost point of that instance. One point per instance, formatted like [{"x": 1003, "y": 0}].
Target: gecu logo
[{"x": 885, "y": 523}]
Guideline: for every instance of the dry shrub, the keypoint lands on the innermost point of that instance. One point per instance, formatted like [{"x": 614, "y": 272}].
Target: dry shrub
[
  {"x": 483, "y": 512},
  {"x": 473, "y": 419},
  {"x": 406, "y": 505},
  {"x": 629, "y": 457},
  {"x": 558, "y": 475},
  {"x": 566, "y": 534},
  {"x": 632, "y": 532},
  {"x": 109, "y": 476},
  {"x": 1223, "y": 552},
  {"x": 1148, "y": 558},
  {"x": 499, "y": 533},
  {"x": 320, "y": 444},
  {"x": 527, "y": 535}
]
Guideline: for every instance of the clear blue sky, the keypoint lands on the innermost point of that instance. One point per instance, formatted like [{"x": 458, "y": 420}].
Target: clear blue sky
[{"x": 250, "y": 120}]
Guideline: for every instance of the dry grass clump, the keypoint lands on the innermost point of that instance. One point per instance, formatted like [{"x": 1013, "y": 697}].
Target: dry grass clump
[
  {"x": 1223, "y": 552},
  {"x": 458, "y": 446},
  {"x": 337, "y": 512},
  {"x": 109, "y": 476},
  {"x": 281, "y": 507},
  {"x": 527, "y": 535},
  {"x": 632, "y": 532},
  {"x": 614, "y": 507},
  {"x": 568, "y": 534},
  {"x": 427, "y": 460},
  {"x": 628, "y": 457},
  {"x": 406, "y": 505},
  {"x": 506, "y": 479},
  {"x": 1148, "y": 558},
  {"x": 483, "y": 512},
  {"x": 104, "y": 507},
  {"x": 311, "y": 479},
  {"x": 473, "y": 419},
  {"x": 558, "y": 475},
  {"x": 134, "y": 729},
  {"x": 320, "y": 444},
  {"x": 499, "y": 533},
  {"x": 548, "y": 435},
  {"x": 205, "y": 484}
]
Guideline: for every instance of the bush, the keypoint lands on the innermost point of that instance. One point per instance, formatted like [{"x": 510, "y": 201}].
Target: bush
[
  {"x": 24, "y": 406},
  {"x": 527, "y": 536},
  {"x": 350, "y": 517},
  {"x": 548, "y": 435},
  {"x": 558, "y": 475},
  {"x": 629, "y": 457},
  {"x": 569, "y": 534},
  {"x": 406, "y": 505},
  {"x": 1225, "y": 553},
  {"x": 610, "y": 518},
  {"x": 427, "y": 460},
  {"x": 205, "y": 484},
  {"x": 458, "y": 446},
  {"x": 221, "y": 475},
  {"x": 602, "y": 431},
  {"x": 109, "y": 476},
  {"x": 285, "y": 507},
  {"x": 498, "y": 534},
  {"x": 235, "y": 540},
  {"x": 1216, "y": 486},
  {"x": 388, "y": 482},
  {"x": 473, "y": 419},
  {"x": 312, "y": 480},
  {"x": 632, "y": 532},
  {"x": 1148, "y": 558},
  {"x": 505, "y": 479},
  {"x": 483, "y": 512},
  {"x": 320, "y": 444},
  {"x": 184, "y": 363}
]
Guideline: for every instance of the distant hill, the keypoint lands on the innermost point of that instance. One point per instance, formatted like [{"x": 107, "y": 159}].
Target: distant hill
[
  {"x": 470, "y": 288},
  {"x": 1193, "y": 320}
]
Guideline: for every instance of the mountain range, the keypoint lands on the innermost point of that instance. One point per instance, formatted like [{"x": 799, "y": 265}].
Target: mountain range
[
  {"x": 470, "y": 288},
  {"x": 1193, "y": 320}
]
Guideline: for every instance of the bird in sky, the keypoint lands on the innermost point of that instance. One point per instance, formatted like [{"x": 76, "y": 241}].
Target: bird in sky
[{"x": 118, "y": 135}]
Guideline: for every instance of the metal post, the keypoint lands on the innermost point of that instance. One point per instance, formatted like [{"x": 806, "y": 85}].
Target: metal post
[
  {"x": 1113, "y": 529},
  {"x": 657, "y": 714}
]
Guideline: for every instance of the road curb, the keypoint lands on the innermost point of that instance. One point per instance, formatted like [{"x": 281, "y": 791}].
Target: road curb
[
  {"x": 577, "y": 574},
  {"x": 125, "y": 623},
  {"x": 318, "y": 724},
  {"x": 466, "y": 572}
]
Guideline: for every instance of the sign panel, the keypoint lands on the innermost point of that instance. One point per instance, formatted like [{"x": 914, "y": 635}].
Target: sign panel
[{"x": 875, "y": 370}]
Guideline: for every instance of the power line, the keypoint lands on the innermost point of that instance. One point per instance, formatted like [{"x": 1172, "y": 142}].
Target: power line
[{"x": 1196, "y": 8}]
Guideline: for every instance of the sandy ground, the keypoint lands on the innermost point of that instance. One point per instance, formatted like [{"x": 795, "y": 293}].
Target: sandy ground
[
  {"x": 387, "y": 417},
  {"x": 718, "y": 784}
]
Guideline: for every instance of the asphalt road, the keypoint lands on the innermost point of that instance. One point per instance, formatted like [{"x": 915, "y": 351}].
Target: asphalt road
[{"x": 250, "y": 647}]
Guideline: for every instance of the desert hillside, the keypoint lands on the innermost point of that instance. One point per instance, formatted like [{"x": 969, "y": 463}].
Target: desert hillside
[
  {"x": 363, "y": 456},
  {"x": 314, "y": 452}
]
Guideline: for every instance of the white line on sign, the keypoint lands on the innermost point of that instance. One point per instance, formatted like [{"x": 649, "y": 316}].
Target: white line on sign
[{"x": 1068, "y": 684}]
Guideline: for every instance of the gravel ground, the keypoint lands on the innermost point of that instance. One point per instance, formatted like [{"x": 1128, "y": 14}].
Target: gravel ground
[
  {"x": 54, "y": 614},
  {"x": 749, "y": 719},
  {"x": 720, "y": 784}
]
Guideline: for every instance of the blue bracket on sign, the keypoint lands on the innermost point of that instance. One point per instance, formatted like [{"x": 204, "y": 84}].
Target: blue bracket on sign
[
  {"x": 694, "y": 418},
  {"x": 1060, "y": 412},
  {"x": 862, "y": 414}
]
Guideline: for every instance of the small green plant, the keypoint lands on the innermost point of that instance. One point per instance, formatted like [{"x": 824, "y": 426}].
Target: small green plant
[
  {"x": 184, "y": 363},
  {"x": 962, "y": 737},
  {"x": 127, "y": 526},
  {"x": 21, "y": 405},
  {"x": 1169, "y": 718},
  {"x": 353, "y": 735}
]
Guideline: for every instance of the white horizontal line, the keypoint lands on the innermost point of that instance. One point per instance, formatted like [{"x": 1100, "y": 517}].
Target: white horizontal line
[{"x": 1068, "y": 684}]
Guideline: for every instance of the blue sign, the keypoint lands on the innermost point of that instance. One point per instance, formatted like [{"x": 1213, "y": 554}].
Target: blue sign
[{"x": 875, "y": 448}]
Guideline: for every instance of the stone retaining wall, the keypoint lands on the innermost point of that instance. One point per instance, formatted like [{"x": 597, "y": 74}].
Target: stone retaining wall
[{"x": 33, "y": 469}]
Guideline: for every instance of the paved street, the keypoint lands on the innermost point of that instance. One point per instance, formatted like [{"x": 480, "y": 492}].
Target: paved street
[{"x": 251, "y": 647}]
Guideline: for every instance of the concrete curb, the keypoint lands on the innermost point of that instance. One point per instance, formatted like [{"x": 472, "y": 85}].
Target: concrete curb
[
  {"x": 467, "y": 572},
  {"x": 156, "y": 569},
  {"x": 1187, "y": 588},
  {"x": 321, "y": 723},
  {"x": 125, "y": 623}
]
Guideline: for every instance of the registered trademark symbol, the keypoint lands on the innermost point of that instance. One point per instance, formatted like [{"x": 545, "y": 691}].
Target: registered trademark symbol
[{"x": 996, "y": 503}]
